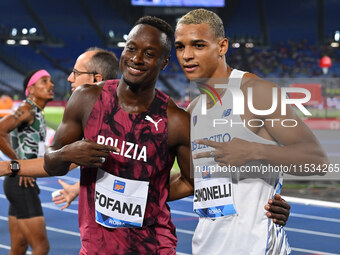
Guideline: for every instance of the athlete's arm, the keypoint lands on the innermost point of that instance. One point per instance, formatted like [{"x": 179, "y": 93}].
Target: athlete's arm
[
  {"x": 298, "y": 144},
  {"x": 67, "y": 146},
  {"x": 181, "y": 185},
  {"x": 28, "y": 167},
  {"x": 22, "y": 115}
]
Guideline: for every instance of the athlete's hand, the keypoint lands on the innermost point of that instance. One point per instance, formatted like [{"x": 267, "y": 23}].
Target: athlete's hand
[
  {"x": 4, "y": 168},
  {"x": 26, "y": 181},
  {"x": 278, "y": 209},
  {"x": 87, "y": 153},
  {"x": 237, "y": 152},
  {"x": 67, "y": 194}
]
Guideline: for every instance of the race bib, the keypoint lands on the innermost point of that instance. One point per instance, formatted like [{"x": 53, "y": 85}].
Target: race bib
[
  {"x": 119, "y": 202},
  {"x": 213, "y": 197}
]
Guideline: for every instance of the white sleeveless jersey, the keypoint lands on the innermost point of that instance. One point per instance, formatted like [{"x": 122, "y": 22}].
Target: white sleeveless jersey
[{"x": 232, "y": 216}]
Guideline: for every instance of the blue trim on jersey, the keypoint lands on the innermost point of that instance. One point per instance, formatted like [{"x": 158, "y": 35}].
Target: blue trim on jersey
[
  {"x": 216, "y": 212},
  {"x": 282, "y": 243},
  {"x": 278, "y": 229},
  {"x": 115, "y": 223},
  {"x": 277, "y": 186},
  {"x": 267, "y": 235}
]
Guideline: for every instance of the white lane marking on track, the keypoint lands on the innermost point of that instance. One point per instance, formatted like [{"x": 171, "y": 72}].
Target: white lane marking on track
[
  {"x": 306, "y": 201},
  {"x": 184, "y": 231},
  {"x": 63, "y": 231},
  {"x": 312, "y": 217},
  {"x": 55, "y": 207},
  {"x": 6, "y": 247},
  {"x": 184, "y": 213},
  {"x": 313, "y": 251},
  {"x": 311, "y": 232}
]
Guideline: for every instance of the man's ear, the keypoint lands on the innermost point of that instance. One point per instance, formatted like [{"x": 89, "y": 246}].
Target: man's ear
[
  {"x": 31, "y": 89},
  {"x": 223, "y": 46},
  {"x": 98, "y": 77},
  {"x": 165, "y": 62}
]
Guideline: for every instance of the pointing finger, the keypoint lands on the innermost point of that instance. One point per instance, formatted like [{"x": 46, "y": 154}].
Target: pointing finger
[{"x": 207, "y": 142}]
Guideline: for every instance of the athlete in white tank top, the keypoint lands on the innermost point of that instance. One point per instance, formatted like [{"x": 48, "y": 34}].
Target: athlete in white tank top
[{"x": 231, "y": 203}]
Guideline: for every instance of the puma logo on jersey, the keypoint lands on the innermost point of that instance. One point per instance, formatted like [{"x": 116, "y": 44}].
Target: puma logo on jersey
[{"x": 152, "y": 121}]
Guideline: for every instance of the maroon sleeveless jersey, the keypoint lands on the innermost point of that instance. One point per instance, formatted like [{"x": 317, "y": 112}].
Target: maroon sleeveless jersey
[{"x": 148, "y": 130}]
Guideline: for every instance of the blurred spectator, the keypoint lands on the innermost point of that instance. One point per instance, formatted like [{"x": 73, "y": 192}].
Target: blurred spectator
[{"x": 6, "y": 104}]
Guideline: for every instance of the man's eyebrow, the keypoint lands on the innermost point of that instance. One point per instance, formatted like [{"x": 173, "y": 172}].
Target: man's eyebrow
[
  {"x": 151, "y": 48},
  {"x": 193, "y": 41},
  {"x": 199, "y": 41},
  {"x": 147, "y": 48}
]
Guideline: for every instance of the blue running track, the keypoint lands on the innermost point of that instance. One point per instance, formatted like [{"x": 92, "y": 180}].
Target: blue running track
[{"x": 311, "y": 229}]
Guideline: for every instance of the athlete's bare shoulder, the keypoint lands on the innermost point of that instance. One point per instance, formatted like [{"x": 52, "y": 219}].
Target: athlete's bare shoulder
[
  {"x": 88, "y": 89},
  {"x": 25, "y": 106},
  {"x": 251, "y": 80},
  {"x": 192, "y": 105},
  {"x": 178, "y": 124},
  {"x": 175, "y": 112},
  {"x": 81, "y": 101},
  {"x": 260, "y": 91},
  {"x": 24, "y": 113}
]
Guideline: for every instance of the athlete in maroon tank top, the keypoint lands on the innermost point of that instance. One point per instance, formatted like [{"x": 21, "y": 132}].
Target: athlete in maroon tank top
[
  {"x": 109, "y": 124},
  {"x": 122, "y": 201}
]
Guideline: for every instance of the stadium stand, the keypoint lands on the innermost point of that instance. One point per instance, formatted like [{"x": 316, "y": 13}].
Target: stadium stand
[{"x": 70, "y": 27}]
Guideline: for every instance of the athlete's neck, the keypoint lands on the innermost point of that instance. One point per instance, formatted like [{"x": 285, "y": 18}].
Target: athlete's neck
[
  {"x": 137, "y": 100},
  {"x": 38, "y": 102}
]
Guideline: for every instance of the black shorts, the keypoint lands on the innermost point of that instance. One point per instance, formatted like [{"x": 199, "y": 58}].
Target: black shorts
[{"x": 24, "y": 202}]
